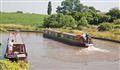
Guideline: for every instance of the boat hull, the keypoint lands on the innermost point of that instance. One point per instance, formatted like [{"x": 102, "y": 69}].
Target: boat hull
[{"x": 64, "y": 40}]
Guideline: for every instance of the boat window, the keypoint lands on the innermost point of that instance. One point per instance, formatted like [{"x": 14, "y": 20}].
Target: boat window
[
  {"x": 58, "y": 35},
  {"x": 77, "y": 38},
  {"x": 18, "y": 48},
  {"x": 62, "y": 35},
  {"x": 46, "y": 32},
  {"x": 49, "y": 32},
  {"x": 65, "y": 36},
  {"x": 52, "y": 33},
  {"x": 70, "y": 37}
]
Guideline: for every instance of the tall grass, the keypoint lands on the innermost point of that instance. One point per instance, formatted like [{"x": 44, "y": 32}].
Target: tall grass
[
  {"x": 113, "y": 34},
  {"x": 4, "y": 27}
]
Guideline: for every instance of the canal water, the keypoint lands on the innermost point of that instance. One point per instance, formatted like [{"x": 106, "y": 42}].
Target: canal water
[{"x": 47, "y": 54}]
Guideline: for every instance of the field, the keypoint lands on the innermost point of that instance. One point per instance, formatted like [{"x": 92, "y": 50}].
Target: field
[
  {"x": 21, "y": 21},
  {"x": 21, "y": 18}
]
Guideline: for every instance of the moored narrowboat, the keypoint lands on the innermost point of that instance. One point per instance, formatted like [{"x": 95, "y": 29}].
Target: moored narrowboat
[
  {"x": 15, "y": 47},
  {"x": 82, "y": 40}
]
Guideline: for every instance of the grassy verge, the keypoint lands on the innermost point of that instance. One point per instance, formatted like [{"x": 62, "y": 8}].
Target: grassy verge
[
  {"x": 5, "y": 27},
  {"x": 113, "y": 34},
  {"x": 8, "y": 65},
  {"x": 14, "y": 26}
]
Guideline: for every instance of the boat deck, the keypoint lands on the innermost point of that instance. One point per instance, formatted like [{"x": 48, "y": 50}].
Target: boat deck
[{"x": 16, "y": 37}]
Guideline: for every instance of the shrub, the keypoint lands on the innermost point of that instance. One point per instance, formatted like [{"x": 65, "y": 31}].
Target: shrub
[
  {"x": 19, "y": 11},
  {"x": 3, "y": 29},
  {"x": 83, "y": 22},
  {"x": 59, "y": 20},
  {"x": 117, "y": 21},
  {"x": 105, "y": 26},
  {"x": 117, "y": 26},
  {"x": 8, "y": 65}
]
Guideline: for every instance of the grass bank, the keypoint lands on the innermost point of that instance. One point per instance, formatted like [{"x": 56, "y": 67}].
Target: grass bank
[
  {"x": 113, "y": 34},
  {"x": 8, "y": 65},
  {"x": 6, "y": 27},
  {"x": 21, "y": 21}
]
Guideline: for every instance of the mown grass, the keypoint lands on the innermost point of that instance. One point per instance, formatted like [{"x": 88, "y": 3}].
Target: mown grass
[
  {"x": 21, "y": 18},
  {"x": 8, "y": 65}
]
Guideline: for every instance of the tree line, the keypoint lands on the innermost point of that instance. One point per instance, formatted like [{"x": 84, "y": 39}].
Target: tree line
[{"x": 73, "y": 14}]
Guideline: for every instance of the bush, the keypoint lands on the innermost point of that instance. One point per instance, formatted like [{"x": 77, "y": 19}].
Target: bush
[
  {"x": 117, "y": 26},
  {"x": 19, "y": 11},
  {"x": 105, "y": 26},
  {"x": 114, "y": 13},
  {"x": 83, "y": 22},
  {"x": 59, "y": 20},
  {"x": 117, "y": 21},
  {"x": 3, "y": 29},
  {"x": 8, "y": 65}
]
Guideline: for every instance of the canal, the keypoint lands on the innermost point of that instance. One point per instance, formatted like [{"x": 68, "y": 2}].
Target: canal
[{"x": 47, "y": 54}]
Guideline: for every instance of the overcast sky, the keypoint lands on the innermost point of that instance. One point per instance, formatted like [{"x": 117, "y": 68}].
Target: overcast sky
[{"x": 40, "y": 6}]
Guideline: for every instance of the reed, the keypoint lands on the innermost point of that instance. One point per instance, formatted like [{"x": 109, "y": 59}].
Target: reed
[
  {"x": 4, "y": 27},
  {"x": 113, "y": 34}
]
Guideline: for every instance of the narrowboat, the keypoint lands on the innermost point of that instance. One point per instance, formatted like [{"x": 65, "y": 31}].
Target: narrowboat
[
  {"x": 15, "y": 47},
  {"x": 82, "y": 40}
]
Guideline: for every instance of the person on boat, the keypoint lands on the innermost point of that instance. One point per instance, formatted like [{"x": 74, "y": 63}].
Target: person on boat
[
  {"x": 11, "y": 46},
  {"x": 84, "y": 36}
]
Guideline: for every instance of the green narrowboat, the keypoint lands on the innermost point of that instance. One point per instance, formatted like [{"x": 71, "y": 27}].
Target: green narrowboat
[{"x": 83, "y": 40}]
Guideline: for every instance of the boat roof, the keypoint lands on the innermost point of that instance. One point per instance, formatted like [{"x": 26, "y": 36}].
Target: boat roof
[
  {"x": 16, "y": 37},
  {"x": 61, "y": 32}
]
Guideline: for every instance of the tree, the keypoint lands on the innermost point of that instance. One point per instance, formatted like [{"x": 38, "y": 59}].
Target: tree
[
  {"x": 105, "y": 26},
  {"x": 83, "y": 22},
  {"x": 100, "y": 18},
  {"x": 93, "y": 9},
  {"x": 59, "y": 20},
  {"x": 49, "y": 8},
  {"x": 19, "y": 11},
  {"x": 59, "y": 9},
  {"x": 114, "y": 13},
  {"x": 68, "y": 6}
]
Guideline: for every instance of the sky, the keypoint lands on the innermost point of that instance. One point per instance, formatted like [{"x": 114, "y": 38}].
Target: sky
[{"x": 40, "y": 6}]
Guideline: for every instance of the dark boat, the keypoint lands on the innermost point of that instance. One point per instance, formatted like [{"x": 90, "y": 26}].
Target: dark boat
[
  {"x": 17, "y": 51},
  {"x": 83, "y": 40}
]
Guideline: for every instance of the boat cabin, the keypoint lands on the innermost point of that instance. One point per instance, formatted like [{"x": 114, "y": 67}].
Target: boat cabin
[
  {"x": 15, "y": 47},
  {"x": 83, "y": 39}
]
